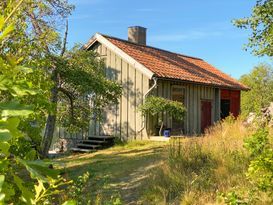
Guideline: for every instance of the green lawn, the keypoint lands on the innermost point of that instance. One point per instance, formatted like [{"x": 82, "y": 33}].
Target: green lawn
[{"x": 116, "y": 172}]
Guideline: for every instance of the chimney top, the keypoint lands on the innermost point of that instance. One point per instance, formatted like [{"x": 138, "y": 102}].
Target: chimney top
[{"x": 137, "y": 34}]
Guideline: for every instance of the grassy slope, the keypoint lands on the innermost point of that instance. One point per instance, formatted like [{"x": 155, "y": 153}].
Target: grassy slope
[
  {"x": 120, "y": 170},
  {"x": 187, "y": 171}
]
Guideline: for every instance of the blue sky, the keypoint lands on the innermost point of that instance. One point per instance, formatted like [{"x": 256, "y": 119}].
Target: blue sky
[{"x": 200, "y": 28}]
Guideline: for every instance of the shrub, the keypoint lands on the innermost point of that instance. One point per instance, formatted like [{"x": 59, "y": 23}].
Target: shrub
[
  {"x": 259, "y": 172},
  {"x": 160, "y": 106}
]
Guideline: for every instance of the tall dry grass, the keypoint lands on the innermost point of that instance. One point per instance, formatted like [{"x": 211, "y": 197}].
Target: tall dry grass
[{"x": 198, "y": 169}]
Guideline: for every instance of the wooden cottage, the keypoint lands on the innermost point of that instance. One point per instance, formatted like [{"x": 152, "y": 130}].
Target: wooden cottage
[{"x": 207, "y": 93}]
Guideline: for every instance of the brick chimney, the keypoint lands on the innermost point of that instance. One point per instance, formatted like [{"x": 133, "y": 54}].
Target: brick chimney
[{"x": 137, "y": 34}]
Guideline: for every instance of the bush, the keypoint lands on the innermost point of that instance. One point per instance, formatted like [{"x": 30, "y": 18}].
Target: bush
[
  {"x": 259, "y": 172},
  {"x": 154, "y": 105}
]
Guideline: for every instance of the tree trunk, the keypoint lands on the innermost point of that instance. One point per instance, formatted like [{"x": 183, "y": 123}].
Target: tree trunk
[
  {"x": 161, "y": 127},
  {"x": 51, "y": 119}
]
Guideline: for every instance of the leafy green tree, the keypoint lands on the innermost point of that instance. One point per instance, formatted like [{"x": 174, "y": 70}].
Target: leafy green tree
[
  {"x": 84, "y": 88},
  {"x": 261, "y": 24},
  {"x": 42, "y": 184},
  {"x": 260, "y": 82},
  {"x": 71, "y": 79},
  {"x": 154, "y": 105},
  {"x": 37, "y": 41}
]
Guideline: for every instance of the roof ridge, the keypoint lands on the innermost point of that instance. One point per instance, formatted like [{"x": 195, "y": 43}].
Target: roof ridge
[{"x": 146, "y": 46}]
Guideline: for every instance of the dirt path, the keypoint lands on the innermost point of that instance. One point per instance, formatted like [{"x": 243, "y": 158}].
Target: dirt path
[
  {"x": 119, "y": 172},
  {"x": 132, "y": 185}
]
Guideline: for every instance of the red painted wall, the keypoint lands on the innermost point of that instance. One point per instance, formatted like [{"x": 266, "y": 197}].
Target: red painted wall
[{"x": 235, "y": 99}]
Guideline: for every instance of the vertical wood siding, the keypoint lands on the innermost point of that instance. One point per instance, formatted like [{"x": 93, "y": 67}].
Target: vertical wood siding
[
  {"x": 122, "y": 120},
  {"x": 193, "y": 96}
]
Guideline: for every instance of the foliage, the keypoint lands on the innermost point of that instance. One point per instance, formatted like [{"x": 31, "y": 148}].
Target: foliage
[
  {"x": 41, "y": 184},
  {"x": 37, "y": 24},
  {"x": 259, "y": 173},
  {"x": 260, "y": 82},
  {"x": 232, "y": 198},
  {"x": 69, "y": 81},
  {"x": 34, "y": 35},
  {"x": 261, "y": 25},
  {"x": 260, "y": 170},
  {"x": 84, "y": 88},
  {"x": 154, "y": 105},
  {"x": 76, "y": 190}
]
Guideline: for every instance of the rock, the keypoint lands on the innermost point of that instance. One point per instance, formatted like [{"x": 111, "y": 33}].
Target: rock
[
  {"x": 250, "y": 119},
  {"x": 266, "y": 116}
]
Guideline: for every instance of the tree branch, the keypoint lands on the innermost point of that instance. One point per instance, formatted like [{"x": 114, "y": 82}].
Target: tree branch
[
  {"x": 71, "y": 100},
  {"x": 65, "y": 38},
  {"x": 37, "y": 27},
  {"x": 13, "y": 11}
]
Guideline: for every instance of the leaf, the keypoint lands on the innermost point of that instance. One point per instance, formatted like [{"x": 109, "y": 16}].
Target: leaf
[
  {"x": 4, "y": 148},
  {"x": 71, "y": 202},
  {"x": 24, "y": 69},
  {"x": 27, "y": 195},
  {"x": 38, "y": 189},
  {"x": 4, "y": 82},
  {"x": 2, "y": 195},
  {"x": 33, "y": 173},
  {"x": 6, "y": 31},
  {"x": 38, "y": 169},
  {"x": 11, "y": 124},
  {"x": 2, "y": 179},
  {"x": 2, "y": 22},
  {"x": 31, "y": 155},
  {"x": 21, "y": 91},
  {"x": 12, "y": 109},
  {"x": 5, "y": 135}
]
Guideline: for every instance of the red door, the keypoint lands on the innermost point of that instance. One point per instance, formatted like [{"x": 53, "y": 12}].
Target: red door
[{"x": 205, "y": 114}]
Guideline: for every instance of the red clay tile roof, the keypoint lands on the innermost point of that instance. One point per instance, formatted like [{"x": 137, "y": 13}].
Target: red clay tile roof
[{"x": 170, "y": 65}]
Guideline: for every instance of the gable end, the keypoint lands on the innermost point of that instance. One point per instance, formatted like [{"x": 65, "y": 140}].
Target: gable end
[{"x": 99, "y": 38}]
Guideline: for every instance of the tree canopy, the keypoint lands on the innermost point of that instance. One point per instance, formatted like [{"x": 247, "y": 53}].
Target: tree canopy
[
  {"x": 154, "y": 105},
  {"x": 260, "y": 82},
  {"x": 261, "y": 25},
  {"x": 69, "y": 80}
]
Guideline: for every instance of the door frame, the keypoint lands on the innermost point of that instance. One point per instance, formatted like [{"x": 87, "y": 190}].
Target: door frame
[{"x": 211, "y": 113}]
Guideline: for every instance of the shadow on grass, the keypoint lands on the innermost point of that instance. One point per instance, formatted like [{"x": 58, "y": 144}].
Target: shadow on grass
[{"x": 114, "y": 173}]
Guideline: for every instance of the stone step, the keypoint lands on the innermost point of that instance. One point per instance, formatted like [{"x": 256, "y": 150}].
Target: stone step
[
  {"x": 106, "y": 137},
  {"x": 76, "y": 149},
  {"x": 92, "y": 141},
  {"x": 88, "y": 145}
]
